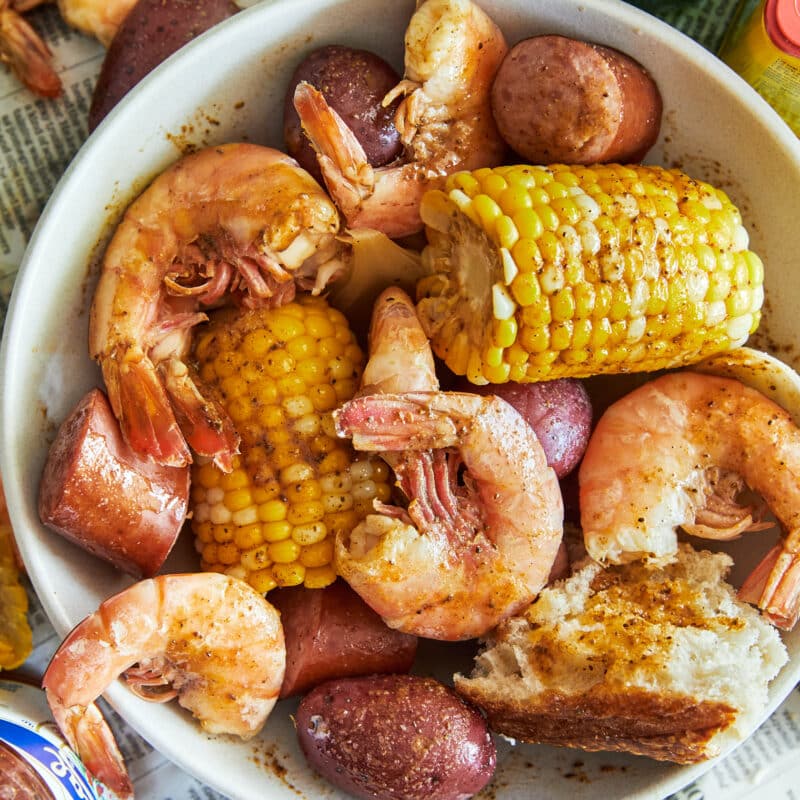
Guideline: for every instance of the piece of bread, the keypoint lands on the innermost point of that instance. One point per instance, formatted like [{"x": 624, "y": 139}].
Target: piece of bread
[{"x": 658, "y": 661}]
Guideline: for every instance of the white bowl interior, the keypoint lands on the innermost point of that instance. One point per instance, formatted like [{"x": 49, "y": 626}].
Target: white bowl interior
[{"x": 229, "y": 85}]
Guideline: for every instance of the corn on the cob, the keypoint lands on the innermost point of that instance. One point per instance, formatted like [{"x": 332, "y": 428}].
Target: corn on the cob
[
  {"x": 280, "y": 373},
  {"x": 16, "y": 640},
  {"x": 566, "y": 271}
]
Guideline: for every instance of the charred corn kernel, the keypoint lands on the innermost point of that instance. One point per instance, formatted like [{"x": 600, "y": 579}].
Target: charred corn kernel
[
  {"x": 16, "y": 640},
  {"x": 280, "y": 373},
  {"x": 612, "y": 269}
]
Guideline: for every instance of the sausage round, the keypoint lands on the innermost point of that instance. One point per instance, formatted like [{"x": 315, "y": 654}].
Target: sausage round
[
  {"x": 99, "y": 494},
  {"x": 333, "y": 633},
  {"x": 560, "y": 100}
]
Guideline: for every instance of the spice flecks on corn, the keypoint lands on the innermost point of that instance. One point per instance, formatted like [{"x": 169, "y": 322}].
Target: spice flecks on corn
[
  {"x": 280, "y": 373},
  {"x": 568, "y": 271}
]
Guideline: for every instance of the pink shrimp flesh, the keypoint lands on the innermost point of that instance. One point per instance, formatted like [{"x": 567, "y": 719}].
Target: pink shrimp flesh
[
  {"x": 26, "y": 55},
  {"x": 675, "y": 453},
  {"x": 467, "y": 552},
  {"x": 208, "y": 639}
]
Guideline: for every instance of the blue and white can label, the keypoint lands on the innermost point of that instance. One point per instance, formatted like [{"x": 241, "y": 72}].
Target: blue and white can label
[{"x": 34, "y": 758}]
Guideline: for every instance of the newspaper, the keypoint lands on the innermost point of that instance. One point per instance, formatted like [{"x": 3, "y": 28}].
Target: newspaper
[{"x": 38, "y": 138}]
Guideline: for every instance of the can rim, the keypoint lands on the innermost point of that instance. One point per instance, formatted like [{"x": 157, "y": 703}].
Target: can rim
[{"x": 782, "y": 23}]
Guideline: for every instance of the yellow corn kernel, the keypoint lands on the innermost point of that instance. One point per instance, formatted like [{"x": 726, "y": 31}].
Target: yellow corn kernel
[
  {"x": 317, "y": 554},
  {"x": 280, "y": 373},
  {"x": 643, "y": 268},
  {"x": 277, "y": 531},
  {"x": 284, "y": 551},
  {"x": 289, "y": 574},
  {"x": 309, "y": 534}
]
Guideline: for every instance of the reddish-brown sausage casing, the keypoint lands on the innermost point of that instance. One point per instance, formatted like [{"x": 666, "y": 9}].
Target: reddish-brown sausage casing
[
  {"x": 560, "y": 100},
  {"x": 333, "y": 633},
  {"x": 99, "y": 494}
]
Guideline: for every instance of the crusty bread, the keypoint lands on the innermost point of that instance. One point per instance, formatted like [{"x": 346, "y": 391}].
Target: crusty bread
[{"x": 658, "y": 661}]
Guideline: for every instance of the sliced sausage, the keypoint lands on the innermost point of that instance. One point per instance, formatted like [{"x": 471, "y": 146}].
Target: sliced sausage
[
  {"x": 333, "y": 633},
  {"x": 99, "y": 494},
  {"x": 560, "y": 100}
]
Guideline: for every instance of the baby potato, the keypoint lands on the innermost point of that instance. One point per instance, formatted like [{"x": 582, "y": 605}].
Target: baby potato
[
  {"x": 395, "y": 737},
  {"x": 152, "y": 31},
  {"x": 559, "y": 411},
  {"x": 354, "y": 82}
]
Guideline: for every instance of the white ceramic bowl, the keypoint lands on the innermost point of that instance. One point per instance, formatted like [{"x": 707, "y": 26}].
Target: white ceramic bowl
[{"x": 229, "y": 85}]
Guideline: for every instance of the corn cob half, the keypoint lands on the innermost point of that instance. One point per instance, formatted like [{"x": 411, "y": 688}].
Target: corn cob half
[
  {"x": 280, "y": 373},
  {"x": 16, "y": 638},
  {"x": 538, "y": 273}
]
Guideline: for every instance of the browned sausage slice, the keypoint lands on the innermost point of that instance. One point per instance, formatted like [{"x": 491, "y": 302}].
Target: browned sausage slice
[
  {"x": 333, "y": 633},
  {"x": 98, "y": 493},
  {"x": 560, "y": 100}
]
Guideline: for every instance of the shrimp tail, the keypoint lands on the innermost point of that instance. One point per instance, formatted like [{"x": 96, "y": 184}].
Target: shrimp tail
[
  {"x": 206, "y": 426},
  {"x": 342, "y": 160},
  {"x": 26, "y": 55},
  {"x": 774, "y": 586},
  {"x": 143, "y": 407},
  {"x": 90, "y": 736},
  {"x": 393, "y": 422}
]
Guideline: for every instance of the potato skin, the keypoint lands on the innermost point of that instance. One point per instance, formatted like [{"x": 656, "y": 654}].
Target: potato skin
[
  {"x": 152, "y": 31},
  {"x": 559, "y": 411},
  {"x": 395, "y": 737},
  {"x": 354, "y": 82}
]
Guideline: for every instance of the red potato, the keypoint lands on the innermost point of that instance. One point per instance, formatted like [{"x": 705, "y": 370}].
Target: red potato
[
  {"x": 354, "y": 82},
  {"x": 152, "y": 31},
  {"x": 559, "y": 411},
  {"x": 333, "y": 633},
  {"x": 395, "y": 737},
  {"x": 100, "y": 495},
  {"x": 560, "y": 100}
]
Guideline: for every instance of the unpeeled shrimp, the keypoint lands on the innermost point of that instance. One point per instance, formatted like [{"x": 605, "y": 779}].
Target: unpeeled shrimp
[
  {"x": 462, "y": 557},
  {"x": 208, "y": 639},
  {"x": 28, "y": 56},
  {"x": 237, "y": 219},
  {"x": 400, "y": 355},
  {"x": 452, "y": 52},
  {"x": 675, "y": 453}
]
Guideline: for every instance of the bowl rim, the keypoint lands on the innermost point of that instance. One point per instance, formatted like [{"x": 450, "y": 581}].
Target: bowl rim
[{"x": 25, "y": 288}]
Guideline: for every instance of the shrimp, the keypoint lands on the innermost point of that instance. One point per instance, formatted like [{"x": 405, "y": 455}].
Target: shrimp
[
  {"x": 400, "y": 355},
  {"x": 461, "y": 558},
  {"x": 676, "y": 452},
  {"x": 28, "y": 56},
  {"x": 239, "y": 219},
  {"x": 452, "y": 52},
  {"x": 25, "y": 54},
  {"x": 208, "y": 639}
]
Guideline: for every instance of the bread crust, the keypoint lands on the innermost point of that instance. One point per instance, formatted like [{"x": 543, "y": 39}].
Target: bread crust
[{"x": 667, "y": 728}]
